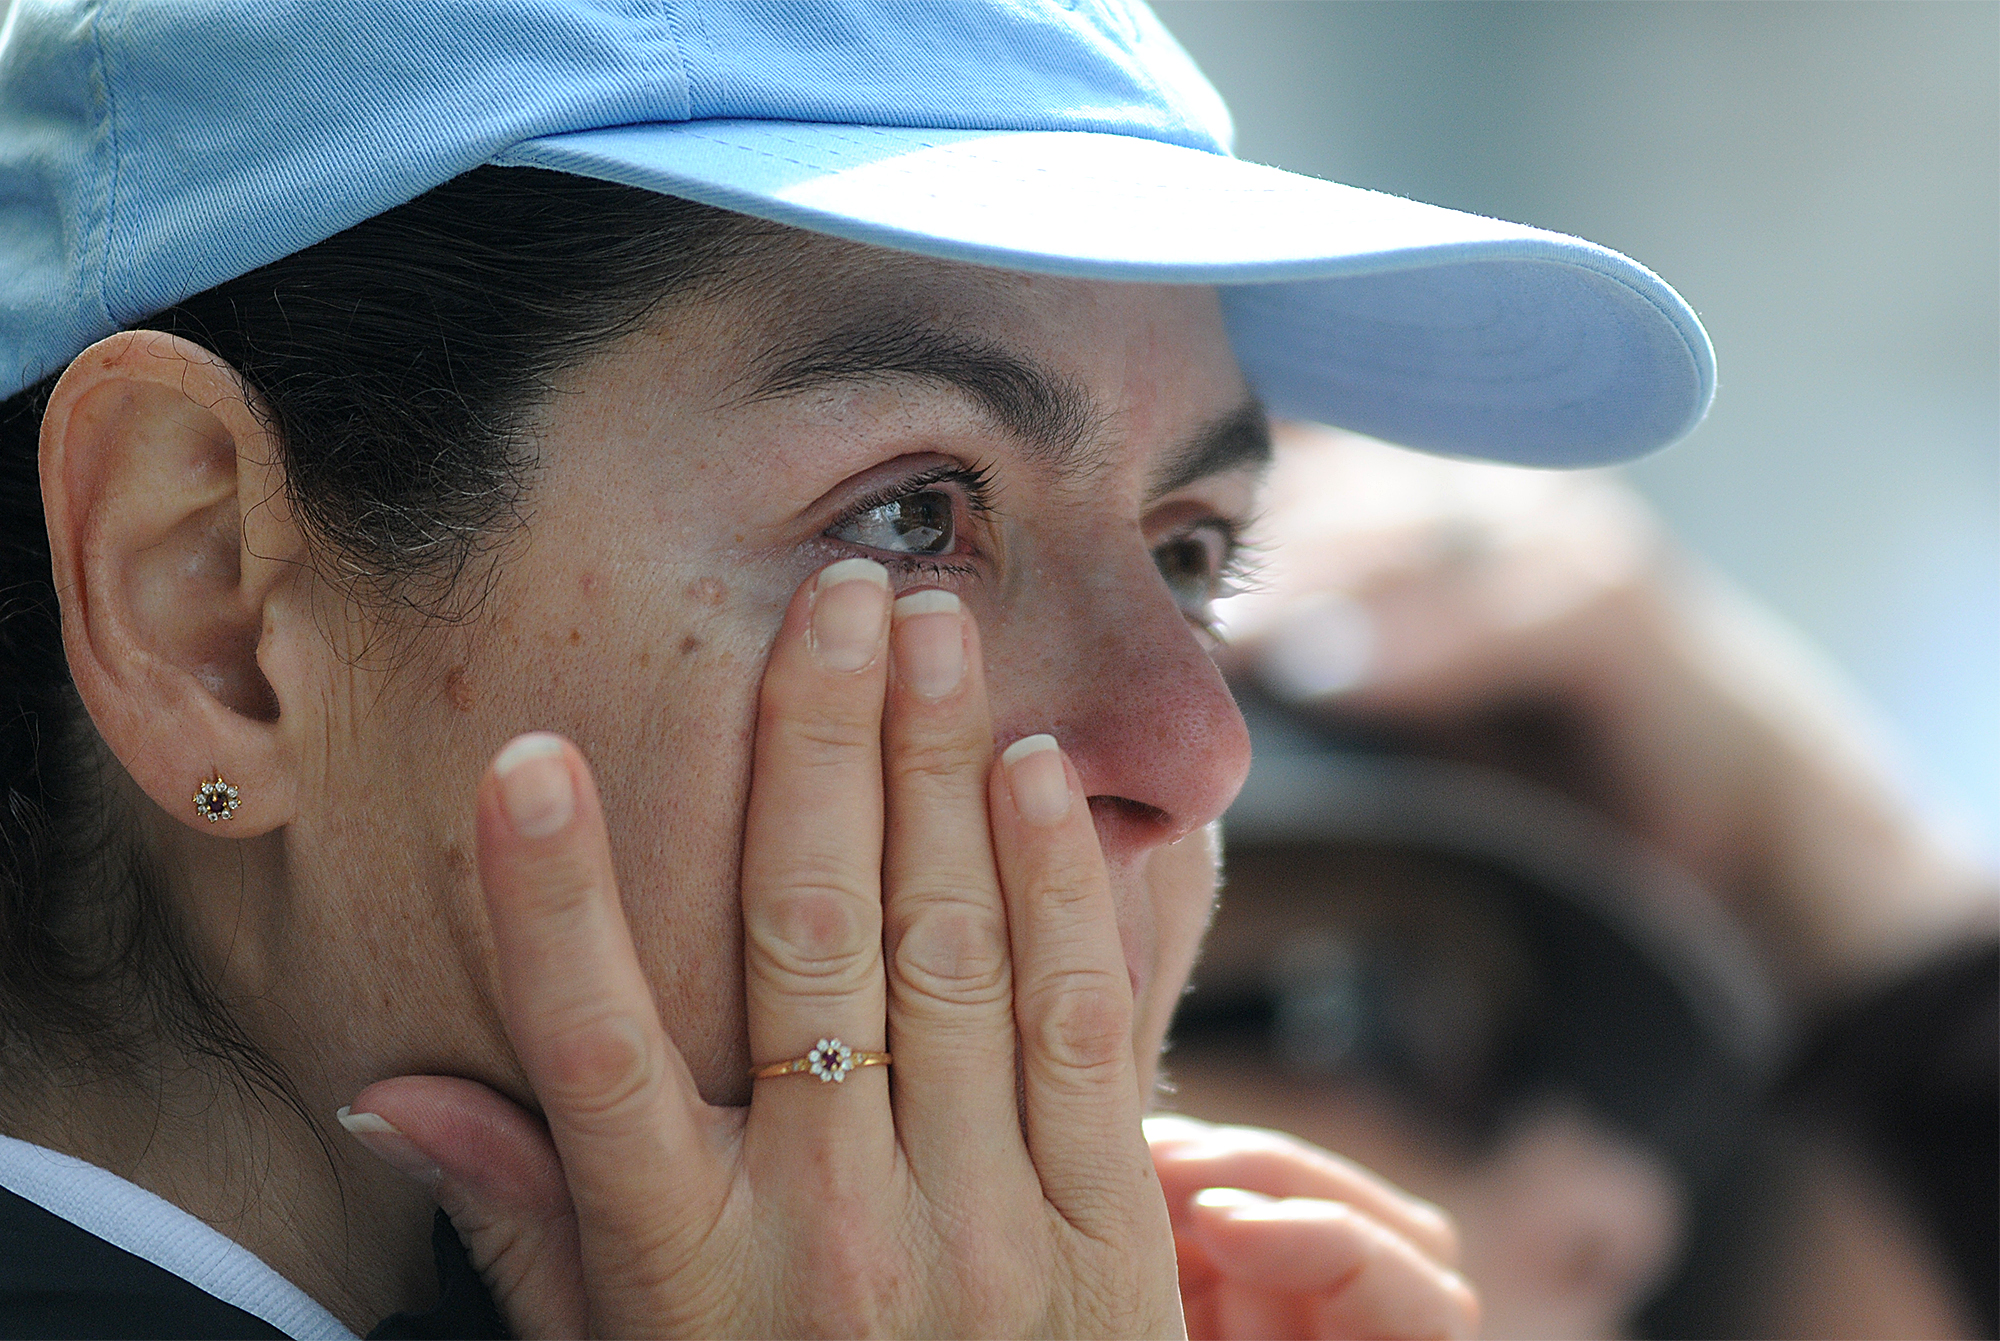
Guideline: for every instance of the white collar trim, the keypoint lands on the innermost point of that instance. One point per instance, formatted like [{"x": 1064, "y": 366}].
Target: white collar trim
[{"x": 127, "y": 1216}]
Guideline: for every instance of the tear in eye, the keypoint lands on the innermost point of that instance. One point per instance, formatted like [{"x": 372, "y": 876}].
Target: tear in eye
[{"x": 918, "y": 523}]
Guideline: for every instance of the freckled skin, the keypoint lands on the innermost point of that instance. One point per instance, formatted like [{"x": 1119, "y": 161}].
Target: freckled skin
[{"x": 672, "y": 519}]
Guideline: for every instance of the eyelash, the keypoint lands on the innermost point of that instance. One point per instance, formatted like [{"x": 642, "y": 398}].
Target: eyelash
[
  {"x": 1241, "y": 561},
  {"x": 1243, "y": 574},
  {"x": 976, "y": 481}
]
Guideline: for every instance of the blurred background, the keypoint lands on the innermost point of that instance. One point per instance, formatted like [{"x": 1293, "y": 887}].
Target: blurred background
[
  {"x": 1822, "y": 182},
  {"x": 1677, "y": 1068}
]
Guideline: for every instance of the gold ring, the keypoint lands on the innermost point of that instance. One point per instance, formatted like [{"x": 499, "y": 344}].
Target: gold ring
[{"x": 829, "y": 1059}]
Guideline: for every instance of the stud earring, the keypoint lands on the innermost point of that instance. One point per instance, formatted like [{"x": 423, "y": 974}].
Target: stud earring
[{"x": 216, "y": 800}]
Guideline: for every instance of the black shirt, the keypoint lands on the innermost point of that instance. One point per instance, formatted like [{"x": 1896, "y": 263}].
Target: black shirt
[{"x": 57, "y": 1280}]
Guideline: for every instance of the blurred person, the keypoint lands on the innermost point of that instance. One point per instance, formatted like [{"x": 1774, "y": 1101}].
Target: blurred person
[
  {"x": 1471, "y": 986},
  {"x": 1545, "y": 622},
  {"x": 1545, "y": 627}
]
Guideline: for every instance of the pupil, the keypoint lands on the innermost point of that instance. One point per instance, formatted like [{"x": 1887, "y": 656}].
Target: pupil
[
  {"x": 1184, "y": 564},
  {"x": 923, "y": 520},
  {"x": 917, "y": 523}
]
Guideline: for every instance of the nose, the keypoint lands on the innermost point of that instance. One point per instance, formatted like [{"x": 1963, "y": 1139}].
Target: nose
[{"x": 1119, "y": 676}]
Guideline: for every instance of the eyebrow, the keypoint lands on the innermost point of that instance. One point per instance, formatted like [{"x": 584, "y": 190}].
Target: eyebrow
[
  {"x": 1053, "y": 416},
  {"x": 1239, "y": 440}
]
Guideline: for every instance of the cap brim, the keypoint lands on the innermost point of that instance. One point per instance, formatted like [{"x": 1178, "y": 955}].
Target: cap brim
[{"x": 1425, "y": 326}]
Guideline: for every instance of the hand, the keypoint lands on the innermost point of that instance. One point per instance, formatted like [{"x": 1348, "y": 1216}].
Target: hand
[
  {"x": 1278, "y": 1238},
  {"x": 900, "y": 889},
  {"x": 1543, "y": 622}
]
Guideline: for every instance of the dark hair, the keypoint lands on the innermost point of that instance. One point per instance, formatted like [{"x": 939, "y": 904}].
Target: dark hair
[{"x": 402, "y": 364}]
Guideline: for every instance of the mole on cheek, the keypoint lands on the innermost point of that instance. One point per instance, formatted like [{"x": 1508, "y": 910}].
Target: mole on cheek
[
  {"x": 690, "y": 645},
  {"x": 456, "y": 691}
]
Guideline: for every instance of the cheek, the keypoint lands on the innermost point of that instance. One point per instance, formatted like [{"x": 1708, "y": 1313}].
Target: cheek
[
  {"x": 652, "y": 671},
  {"x": 1180, "y": 887}
]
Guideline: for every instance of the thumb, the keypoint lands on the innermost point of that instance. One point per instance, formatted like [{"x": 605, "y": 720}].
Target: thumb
[{"x": 495, "y": 1172}]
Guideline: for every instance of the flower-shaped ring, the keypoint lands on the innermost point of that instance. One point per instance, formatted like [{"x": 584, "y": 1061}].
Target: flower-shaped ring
[{"x": 829, "y": 1059}]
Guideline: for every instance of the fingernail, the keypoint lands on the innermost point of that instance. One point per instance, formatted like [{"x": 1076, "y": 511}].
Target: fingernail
[
  {"x": 535, "y": 788},
  {"x": 390, "y": 1146},
  {"x": 930, "y": 643},
  {"x": 1229, "y": 1198},
  {"x": 850, "y": 607},
  {"x": 1036, "y": 776}
]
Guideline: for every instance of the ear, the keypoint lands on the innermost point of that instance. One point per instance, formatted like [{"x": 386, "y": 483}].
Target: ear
[{"x": 176, "y": 558}]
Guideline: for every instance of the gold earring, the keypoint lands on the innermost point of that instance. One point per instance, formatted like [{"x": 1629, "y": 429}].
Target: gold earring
[{"x": 216, "y": 800}]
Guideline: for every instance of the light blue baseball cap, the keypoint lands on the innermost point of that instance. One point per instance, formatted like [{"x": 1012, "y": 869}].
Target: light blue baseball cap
[{"x": 151, "y": 149}]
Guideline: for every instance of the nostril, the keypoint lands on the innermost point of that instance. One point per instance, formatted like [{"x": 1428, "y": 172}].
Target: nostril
[{"x": 1123, "y": 812}]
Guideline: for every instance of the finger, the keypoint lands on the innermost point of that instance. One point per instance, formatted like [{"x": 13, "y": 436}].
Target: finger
[
  {"x": 1193, "y": 1156},
  {"x": 1072, "y": 992},
  {"x": 951, "y": 1000},
  {"x": 1247, "y": 1313},
  {"x": 495, "y": 1172},
  {"x": 1199, "y": 1281},
  {"x": 620, "y": 1104},
  {"x": 1170, "y": 1131},
  {"x": 1357, "y": 1276},
  {"x": 812, "y": 864},
  {"x": 1199, "y": 1311}
]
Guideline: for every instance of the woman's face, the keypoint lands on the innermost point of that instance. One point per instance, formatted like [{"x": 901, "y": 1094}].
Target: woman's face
[{"x": 1072, "y": 459}]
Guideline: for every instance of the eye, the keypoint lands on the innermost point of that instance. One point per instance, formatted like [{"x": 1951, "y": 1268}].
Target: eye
[
  {"x": 915, "y": 523},
  {"x": 1196, "y": 564},
  {"x": 920, "y": 518}
]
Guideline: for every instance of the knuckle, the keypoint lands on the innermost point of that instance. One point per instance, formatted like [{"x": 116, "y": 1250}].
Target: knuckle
[
  {"x": 828, "y": 733},
  {"x": 933, "y": 759},
  {"x": 1082, "y": 1022},
  {"x": 985, "y": 1306},
  {"x": 955, "y": 953},
  {"x": 853, "y": 1283},
  {"x": 1065, "y": 881},
  {"x": 818, "y": 929},
  {"x": 564, "y": 882},
  {"x": 597, "y": 1069}
]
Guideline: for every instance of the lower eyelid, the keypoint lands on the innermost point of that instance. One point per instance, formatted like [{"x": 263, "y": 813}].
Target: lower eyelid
[
  {"x": 905, "y": 569},
  {"x": 920, "y": 568}
]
